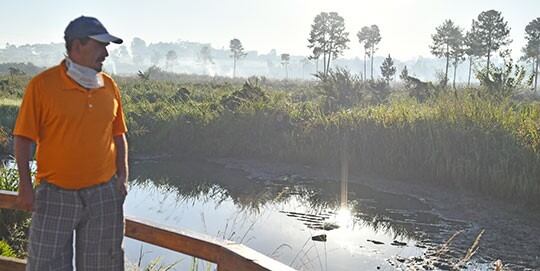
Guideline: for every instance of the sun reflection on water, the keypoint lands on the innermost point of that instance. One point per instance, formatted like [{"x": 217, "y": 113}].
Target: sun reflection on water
[{"x": 344, "y": 217}]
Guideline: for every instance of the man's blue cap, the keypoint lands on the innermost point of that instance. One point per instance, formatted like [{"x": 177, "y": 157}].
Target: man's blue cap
[{"x": 90, "y": 27}]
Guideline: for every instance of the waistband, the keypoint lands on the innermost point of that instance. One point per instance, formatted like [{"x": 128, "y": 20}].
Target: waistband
[{"x": 44, "y": 181}]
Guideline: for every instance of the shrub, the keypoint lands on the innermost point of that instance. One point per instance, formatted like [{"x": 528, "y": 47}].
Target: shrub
[{"x": 13, "y": 224}]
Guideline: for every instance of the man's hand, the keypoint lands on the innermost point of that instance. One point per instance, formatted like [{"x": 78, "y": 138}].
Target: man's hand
[
  {"x": 122, "y": 170},
  {"x": 25, "y": 199},
  {"x": 121, "y": 184}
]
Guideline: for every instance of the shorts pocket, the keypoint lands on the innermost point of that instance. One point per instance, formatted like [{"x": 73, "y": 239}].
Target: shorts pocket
[{"x": 40, "y": 194}]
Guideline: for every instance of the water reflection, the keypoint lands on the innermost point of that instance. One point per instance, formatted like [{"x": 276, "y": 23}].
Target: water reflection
[
  {"x": 279, "y": 216},
  {"x": 201, "y": 181},
  {"x": 344, "y": 217}
]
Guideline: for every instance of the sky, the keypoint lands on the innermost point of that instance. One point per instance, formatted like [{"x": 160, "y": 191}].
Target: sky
[{"x": 406, "y": 25}]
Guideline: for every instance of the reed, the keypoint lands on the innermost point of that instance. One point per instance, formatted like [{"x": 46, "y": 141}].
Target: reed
[
  {"x": 469, "y": 139},
  {"x": 14, "y": 224}
]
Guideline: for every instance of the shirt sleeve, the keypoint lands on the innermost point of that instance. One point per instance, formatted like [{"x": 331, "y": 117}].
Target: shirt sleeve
[
  {"x": 30, "y": 112},
  {"x": 119, "y": 123}
]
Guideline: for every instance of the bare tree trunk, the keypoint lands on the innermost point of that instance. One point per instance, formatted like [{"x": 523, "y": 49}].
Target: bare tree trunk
[
  {"x": 365, "y": 65},
  {"x": 234, "y": 66},
  {"x": 489, "y": 53},
  {"x": 328, "y": 67},
  {"x": 455, "y": 69},
  {"x": 324, "y": 63},
  {"x": 447, "y": 63},
  {"x": 533, "y": 68},
  {"x": 536, "y": 74},
  {"x": 372, "y": 62},
  {"x": 470, "y": 68},
  {"x": 488, "y": 56}
]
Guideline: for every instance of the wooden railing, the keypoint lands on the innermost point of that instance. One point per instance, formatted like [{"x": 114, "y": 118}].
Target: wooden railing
[{"x": 228, "y": 255}]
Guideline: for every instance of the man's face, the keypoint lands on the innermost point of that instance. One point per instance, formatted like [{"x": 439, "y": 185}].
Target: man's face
[{"x": 91, "y": 54}]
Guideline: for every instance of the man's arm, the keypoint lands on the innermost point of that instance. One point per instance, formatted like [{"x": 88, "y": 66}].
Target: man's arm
[
  {"x": 122, "y": 169},
  {"x": 25, "y": 199}
]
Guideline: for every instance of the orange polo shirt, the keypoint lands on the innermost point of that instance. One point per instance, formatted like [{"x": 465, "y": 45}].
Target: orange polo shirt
[{"x": 73, "y": 128}]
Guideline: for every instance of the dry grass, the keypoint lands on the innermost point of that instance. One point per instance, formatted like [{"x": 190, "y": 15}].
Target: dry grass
[
  {"x": 471, "y": 251},
  {"x": 472, "y": 140}
]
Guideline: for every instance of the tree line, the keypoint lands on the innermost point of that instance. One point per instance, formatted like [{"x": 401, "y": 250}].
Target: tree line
[{"x": 488, "y": 34}]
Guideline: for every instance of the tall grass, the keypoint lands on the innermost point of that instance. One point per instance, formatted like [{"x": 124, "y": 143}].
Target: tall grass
[
  {"x": 468, "y": 139},
  {"x": 13, "y": 224}
]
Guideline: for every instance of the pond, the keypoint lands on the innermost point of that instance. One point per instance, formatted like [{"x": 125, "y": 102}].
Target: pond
[{"x": 286, "y": 217}]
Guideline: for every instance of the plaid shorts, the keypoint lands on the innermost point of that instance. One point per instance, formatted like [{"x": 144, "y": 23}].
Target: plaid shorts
[{"x": 96, "y": 216}]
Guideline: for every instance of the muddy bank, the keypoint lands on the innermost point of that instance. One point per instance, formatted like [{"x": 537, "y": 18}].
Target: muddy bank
[{"x": 510, "y": 231}]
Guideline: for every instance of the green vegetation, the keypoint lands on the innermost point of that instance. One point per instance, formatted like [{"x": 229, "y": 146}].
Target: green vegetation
[
  {"x": 532, "y": 49},
  {"x": 6, "y": 250},
  {"x": 477, "y": 139},
  {"x": 484, "y": 139},
  {"x": 3, "y": 140},
  {"x": 14, "y": 69},
  {"x": 13, "y": 224},
  {"x": 471, "y": 139}
]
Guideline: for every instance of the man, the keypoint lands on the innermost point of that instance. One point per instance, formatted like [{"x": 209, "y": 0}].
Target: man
[{"x": 74, "y": 115}]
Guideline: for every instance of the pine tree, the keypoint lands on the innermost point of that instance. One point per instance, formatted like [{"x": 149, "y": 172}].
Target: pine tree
[
  {"x": 473, "y": 49},
  {"x": 370, "y": 36},
  {"x": 328, "y": 37},
  {"x": 446, "y": 43},
  {"x": 491, "y": 32},
  {"x": 404, "y": 75},
  {"x": 363, "y": 36},
  {"x": 532, "y": 49},
  {"x": 387, "y": 69},
  {"x": 237, "y": 52}
]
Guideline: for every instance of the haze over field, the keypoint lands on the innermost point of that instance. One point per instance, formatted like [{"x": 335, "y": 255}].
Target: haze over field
[{"x": 262, "y": 26}]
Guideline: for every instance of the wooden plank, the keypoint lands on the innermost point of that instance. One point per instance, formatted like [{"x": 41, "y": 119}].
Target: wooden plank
[
  {"x": 239, "y": 257},
  {"x": 12, "y": 264},
  {"x": 8, "y": 200},
  {"x": 228, "y": 255},
  {"x": 181, "y": 241}
]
